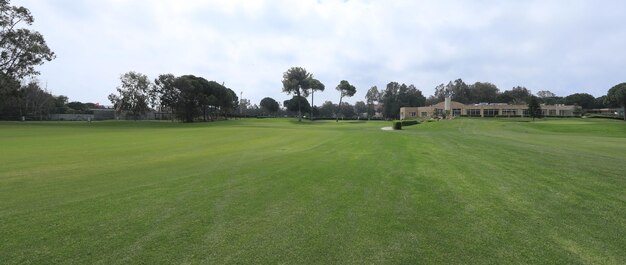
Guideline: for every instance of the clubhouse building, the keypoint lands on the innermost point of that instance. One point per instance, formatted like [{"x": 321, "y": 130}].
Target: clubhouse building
[{"x": 482, "y": 110}]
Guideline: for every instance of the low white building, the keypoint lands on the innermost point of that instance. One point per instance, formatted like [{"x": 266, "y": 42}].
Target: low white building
[{"x": 454, "y": 108}]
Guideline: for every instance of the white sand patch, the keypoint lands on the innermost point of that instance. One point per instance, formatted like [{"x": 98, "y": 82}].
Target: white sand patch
[{"x": 387, "y": 128}]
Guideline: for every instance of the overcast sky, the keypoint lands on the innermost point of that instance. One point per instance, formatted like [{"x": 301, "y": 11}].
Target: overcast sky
[{"x": 562, "y": 46}]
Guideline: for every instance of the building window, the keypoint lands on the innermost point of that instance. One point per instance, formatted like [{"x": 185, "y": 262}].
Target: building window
[
  {"x": 413, "y": 114},
  {"x": 552, "y": 112},
  {"x": 509, "y": 112},
  {"x": 472, "y": 112},
  {"x": 490, "y": 112},
  {"x": 456, "y": 112},
  {"x": 424, "y": 114}
]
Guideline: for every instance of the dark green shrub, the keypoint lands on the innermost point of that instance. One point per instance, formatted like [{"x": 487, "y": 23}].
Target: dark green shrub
[
  {"x": 603, "y": 116},
  {"x": 397, "y": 125},
  {"x": 409, "y": 122}
]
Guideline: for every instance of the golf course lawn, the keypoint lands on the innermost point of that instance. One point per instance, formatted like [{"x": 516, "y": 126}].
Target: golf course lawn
[{"x": 268, "y": 191}]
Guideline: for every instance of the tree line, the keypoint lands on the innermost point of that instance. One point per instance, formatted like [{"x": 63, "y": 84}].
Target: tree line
[
  {"x": 21, "y": 50},
  {"x": 388, "y": 102},
  {"x": 481, "y": 92},
  {"x": 187, "y": 97},
  {"x": 191, "y": 98}
]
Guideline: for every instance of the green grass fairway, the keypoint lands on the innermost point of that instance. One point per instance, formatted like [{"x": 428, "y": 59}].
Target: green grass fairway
[{"x": 479, "y": 191}]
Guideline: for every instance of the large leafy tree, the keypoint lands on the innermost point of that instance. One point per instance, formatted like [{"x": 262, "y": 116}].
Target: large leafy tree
[
  {"x": 270, "y": 105},
  {"x": 545, "y": 94},
  {"x": 133, "y": 94},
  {"x": 77, "y": 106},
  {"x": 346, "y": 90},
  {"x": 327, "y": 110},
  {"x": 187, "y": 105},
  {"x": 230, "y": 102},
  {"x": 603, "y": 102},
  {"x": 517, "y": 95},
  {"x": 9, "y": 97},
  {"x": 391, "y": 105},
  {"x": 584, "y": 100},
  {"x": 20, "y": 51},
  {"x": 210, "y": 95},
  {"x": 533, "y": 108},
  {"x": 397, "y": 96},
  {"x": 201, "y": 97},
  {"x": 432, "y": 100},
  {"x": 164, "y": 93},
  {"x": 315, "y": 85},
  {"x": 373, "y": 96},
  {"x": 483, "y": 92},
  {"x": 617, "y": 95},
  {"x": 35, "y": 101},
  {"x": 549, "y": 98},
  {"x": 296, "y": 81},
  {"x": 552, "y": 100},
  {"x": 297, "y": 104},
  {"x": 410, "y": 96},
  {"x": 20, "y": 48},
  {"x": 347, "y": 110},
  {"x": 458, "y": 89},
  {"x": 360, "y": 107},
  {"x": 190, "y": 97}
]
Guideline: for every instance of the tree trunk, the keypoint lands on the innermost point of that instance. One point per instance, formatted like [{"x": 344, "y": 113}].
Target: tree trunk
[
  {"x": 312, "y": 92},
  {"x": 299, "y": 110},
  {"x": 339, "y": 108}
]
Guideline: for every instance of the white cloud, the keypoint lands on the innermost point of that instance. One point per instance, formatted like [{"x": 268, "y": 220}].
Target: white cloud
[{"x": 563, "y": 46}]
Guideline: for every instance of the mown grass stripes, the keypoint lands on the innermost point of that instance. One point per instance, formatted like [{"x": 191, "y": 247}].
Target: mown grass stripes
[{"x": 278, "y": 191}]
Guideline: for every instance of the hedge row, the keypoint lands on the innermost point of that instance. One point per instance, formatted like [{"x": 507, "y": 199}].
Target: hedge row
[
  {"x": 397, "y": 125},
  {"x": 598, "y": 116},
  {"x": 518, "y": 116}
]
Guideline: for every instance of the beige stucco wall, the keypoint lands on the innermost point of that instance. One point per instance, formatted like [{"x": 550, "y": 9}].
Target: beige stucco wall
[{"x": 418, "y": 112}]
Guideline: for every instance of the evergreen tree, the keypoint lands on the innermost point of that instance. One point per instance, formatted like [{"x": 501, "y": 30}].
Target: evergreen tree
[{"x": 533, "y": 108}]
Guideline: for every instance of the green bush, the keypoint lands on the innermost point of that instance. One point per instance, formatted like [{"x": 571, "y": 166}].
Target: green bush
[
  {"x": 409, "y": 122},
  {"x": 397, "y": 125}
]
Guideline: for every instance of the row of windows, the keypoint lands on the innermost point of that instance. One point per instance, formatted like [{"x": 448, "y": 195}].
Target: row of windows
[
  {"x": 509, "y": 112},
  {"x": 551, "y": 112},
  {"x": 493, "y": 112},
  {"x": 472, "y": 112},
  {"x": 490, "y": 112}
]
